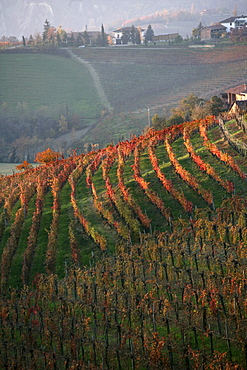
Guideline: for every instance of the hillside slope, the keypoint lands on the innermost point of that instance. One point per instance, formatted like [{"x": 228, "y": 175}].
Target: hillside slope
[
  {"x": 157, "y": 79},
  {"x": 150, "y": 236},
  {"x": 61, "y": 212},
  {"x": 126, "y": 82},
  {"x": 44, "y": 97},
  {"x": 161, "y": 77}
]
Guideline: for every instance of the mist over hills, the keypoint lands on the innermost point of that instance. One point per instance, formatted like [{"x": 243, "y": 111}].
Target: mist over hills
[{"x": 25, "y": 17}]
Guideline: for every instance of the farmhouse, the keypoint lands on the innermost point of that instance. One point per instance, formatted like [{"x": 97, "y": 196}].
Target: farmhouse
[
  {"x": 92, "y": 36},
  {"x": 236, "y": 94},
  {"x": 234, "y": 22},
  {"x": 167, "y": 37},
  {"x": 237, "y": 99},
  {"x": 213, "y": 32},
  {"x": 223, "y": 28},
  {"x": 122, "y": 35}
]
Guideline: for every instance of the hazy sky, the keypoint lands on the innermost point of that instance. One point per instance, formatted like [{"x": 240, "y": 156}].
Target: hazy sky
[{"x": 25, "y": 17}]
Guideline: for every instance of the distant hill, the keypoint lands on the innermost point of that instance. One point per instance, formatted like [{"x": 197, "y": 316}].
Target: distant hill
[{"x": 75, "y": 15}]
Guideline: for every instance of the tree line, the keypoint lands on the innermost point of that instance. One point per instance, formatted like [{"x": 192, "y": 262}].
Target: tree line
[
  {"x": 59, "y": 37},
  {"x": 190, "y": 108},
  {"x": 20, "y": 137}
]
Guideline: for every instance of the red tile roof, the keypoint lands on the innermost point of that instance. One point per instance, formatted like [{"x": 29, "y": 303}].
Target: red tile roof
[{"x": 237, "y": 90}]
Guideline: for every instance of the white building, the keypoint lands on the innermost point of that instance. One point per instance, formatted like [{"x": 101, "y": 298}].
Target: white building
[
  {"x": 235, "y": 22},
  {"x": 121, "y": 35}
]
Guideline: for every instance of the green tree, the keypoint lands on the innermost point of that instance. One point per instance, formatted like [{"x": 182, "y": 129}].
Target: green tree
[
  {"x": 175, "y": 119},
  {"x": 200, "y": 111},
  {"x": 79, "y": 40},
  {"x": 30, "y": 40},
  {"x": 149, "y": 34},
  {"x": 71, "y": 39},
  {"x": 125, "y": 37},
  {"x": 186, "y": 106},
  {"x": 196, "y": 32},
  {"x": 37, "y": 38},
  {"x": 178, "y": 39},
  {"x": 63, "y": 124},
  {"x": 86, "y": 38},
  {"x": 216, "y": 105},
  {"x": 46, "y": 29},
  {"x": 158, "y": 122},
  {"x": 103, "y": 36},
  {"x": 133, "y": 34}
]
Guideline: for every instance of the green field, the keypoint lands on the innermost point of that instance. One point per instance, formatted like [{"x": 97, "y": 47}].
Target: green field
[{"x": 47, "y": 84}]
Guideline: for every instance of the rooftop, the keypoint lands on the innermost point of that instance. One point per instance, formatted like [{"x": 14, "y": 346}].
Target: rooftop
[
  {"x": 237, "y": 90},
  {"x": 215, "y": 27},
  {"x": 125, "y": 29},
  {"x": 232, "y": 19}
]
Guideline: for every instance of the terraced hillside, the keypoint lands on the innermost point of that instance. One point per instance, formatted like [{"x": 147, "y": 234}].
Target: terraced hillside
[
  {"x": 137, "y": 78},
  {"x": 116, "y": 193},
  {"x": 150, "y": 237}
]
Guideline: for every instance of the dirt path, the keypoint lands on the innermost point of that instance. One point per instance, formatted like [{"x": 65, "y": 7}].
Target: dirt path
[
  {"x": 96, "y": 80},
  {"x": 69, "y": 138}
]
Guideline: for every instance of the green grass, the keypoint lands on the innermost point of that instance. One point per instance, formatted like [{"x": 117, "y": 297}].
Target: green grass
[
  {"x": 63, "y": 247},
  {"x": 38, "y": 265},
  {"x": 85, "y": 202},
  {"x": 48, "y": 84},
  {"x": 16, "y": 267}
]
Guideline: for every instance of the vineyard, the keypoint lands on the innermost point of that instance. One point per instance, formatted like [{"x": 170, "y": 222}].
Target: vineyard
[
  {"x": 128, "y": 257},
  {"x": 135, "y": 78}
]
